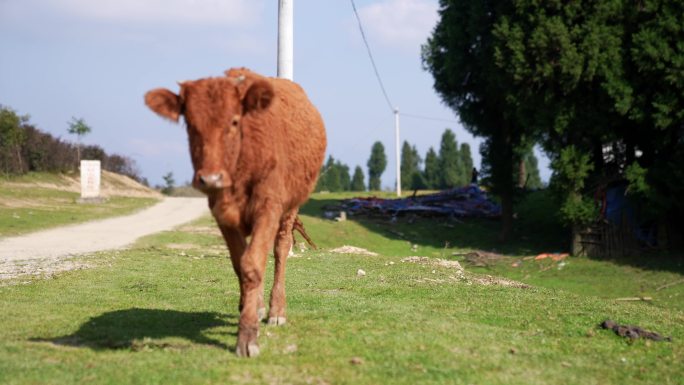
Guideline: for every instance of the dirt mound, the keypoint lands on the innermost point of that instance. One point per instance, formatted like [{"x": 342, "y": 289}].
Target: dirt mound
[
  {"x": 112, "y": 184},
  {"x": 434, "y": 262},
  {"x": 353, "y": 250},
  {"x": 460, "y": 275},
  {"x": 121, "y": 185}
]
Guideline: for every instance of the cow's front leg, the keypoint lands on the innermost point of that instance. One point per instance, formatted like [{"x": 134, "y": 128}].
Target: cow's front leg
[
  {"x": 252, "y": 266},
  {"x": 281, "y": 249},
  {"x": 236, "y": 246}
]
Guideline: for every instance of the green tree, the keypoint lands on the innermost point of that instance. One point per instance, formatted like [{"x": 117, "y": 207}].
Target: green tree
[
  {"x": 358, "y": 180},
  {"x": 79, "y": 128},
  {"x": 329, "y": 179},
  {"x": 565, "y": 57},
  {"x": 334, "y": 176},
  {"x": 376, "y": 166},
  {"x": 417, "y": 181},
  {"x": 571, "y": 170},
  {"x": 345, "y": 177},
  {"x": 450, "y": 162},
  {"x": 169, "y": 184},
  {"x": 410, "y": 167},
  {"x": 585, "y": 75},
  {"x": 12, "y": 138},
  {"x": 593, "y": 75},
  {"x": 467, "y": 162},
  {"x": 527, "y": 173},
  {"x": 532, "y": 177},
  {"x": 431, "y": 173},
  {"x": 461, "y": 55},
  {"x": 655, "y": 74}
]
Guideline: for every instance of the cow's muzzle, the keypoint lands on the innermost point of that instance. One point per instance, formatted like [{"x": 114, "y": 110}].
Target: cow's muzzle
[{"x": 210, "y": 181}]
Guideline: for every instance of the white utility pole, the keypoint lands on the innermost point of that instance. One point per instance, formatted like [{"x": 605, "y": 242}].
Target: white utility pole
[
  {"x": 397, "y": 150},
  {"x": 285, "y": 39}
]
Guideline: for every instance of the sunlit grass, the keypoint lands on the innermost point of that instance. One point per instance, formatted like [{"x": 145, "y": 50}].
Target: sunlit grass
[{"x": 166, "y": 312}]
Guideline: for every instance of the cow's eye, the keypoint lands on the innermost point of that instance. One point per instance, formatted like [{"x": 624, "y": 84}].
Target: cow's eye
[{"x": 235, "y": 121}]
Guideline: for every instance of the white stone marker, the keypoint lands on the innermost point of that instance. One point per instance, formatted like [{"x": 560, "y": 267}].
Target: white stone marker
[{"x": 90, "y": 179}]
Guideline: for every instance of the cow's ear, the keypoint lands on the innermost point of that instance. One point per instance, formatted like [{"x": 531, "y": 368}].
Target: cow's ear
[
  {"x": 164, "y": 102},
  {"x": 258, "y": 96}
]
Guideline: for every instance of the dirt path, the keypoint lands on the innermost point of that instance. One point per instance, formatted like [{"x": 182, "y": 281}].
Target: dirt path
[{"x": 27, "y": 253}]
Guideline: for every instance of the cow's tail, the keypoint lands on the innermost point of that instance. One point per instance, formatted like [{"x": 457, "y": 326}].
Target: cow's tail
[{"x": 299, "y": 226}]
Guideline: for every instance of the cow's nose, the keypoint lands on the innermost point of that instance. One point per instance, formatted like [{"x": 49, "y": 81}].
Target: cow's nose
[{"x": 211, "y": 180}]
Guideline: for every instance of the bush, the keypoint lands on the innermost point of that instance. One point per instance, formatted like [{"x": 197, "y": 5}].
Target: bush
[{"x": 25, "y": 148}]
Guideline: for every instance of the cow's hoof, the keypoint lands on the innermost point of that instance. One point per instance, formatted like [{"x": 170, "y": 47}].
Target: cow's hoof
[
  {"x": 248, "y": 350},
  {"x": 247, "y": 345},
  {"x": 261, "y": 313},
  {"x": 277, "y": 321}
]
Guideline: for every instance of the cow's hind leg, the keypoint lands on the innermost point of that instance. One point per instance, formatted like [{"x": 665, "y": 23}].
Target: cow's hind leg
[{"x": 281, "y": 249}]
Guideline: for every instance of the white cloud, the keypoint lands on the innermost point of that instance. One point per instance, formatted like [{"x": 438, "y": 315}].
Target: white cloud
[
  {"x": 211, "y": 12},
  {"x": 400, "y": 23}
]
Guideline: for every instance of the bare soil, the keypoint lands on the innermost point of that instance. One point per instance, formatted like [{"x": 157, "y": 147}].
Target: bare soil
[
  {"x": 459, "y": 274},
  {"x": 353, "y": 250}
]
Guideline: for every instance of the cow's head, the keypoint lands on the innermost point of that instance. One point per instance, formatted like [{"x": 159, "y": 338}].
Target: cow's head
[{"x": 213, "y": 109}]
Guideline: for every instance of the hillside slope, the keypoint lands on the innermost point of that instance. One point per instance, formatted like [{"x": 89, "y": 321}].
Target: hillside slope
[
  {"x": 38, "y": 201},
  {"x": 111, "y": 184}
]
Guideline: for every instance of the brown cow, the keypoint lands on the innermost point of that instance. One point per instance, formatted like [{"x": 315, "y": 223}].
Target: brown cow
[{"x": 257, "y": 145}]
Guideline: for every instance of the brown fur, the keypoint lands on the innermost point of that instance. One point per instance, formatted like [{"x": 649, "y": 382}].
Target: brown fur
[{"x": 257, "y": 145}]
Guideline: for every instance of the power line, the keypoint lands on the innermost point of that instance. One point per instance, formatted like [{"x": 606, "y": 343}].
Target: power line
[
  {"x": 377, "y": 75},
  {"x": 394, "y": 110},
  {"x": 370, "y": 55}
]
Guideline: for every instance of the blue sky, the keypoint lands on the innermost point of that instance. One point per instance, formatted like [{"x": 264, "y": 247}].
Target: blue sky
[{"x": 96, "y": 60}]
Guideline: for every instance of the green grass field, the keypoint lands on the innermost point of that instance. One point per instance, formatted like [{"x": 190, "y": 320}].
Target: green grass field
[
  {"x": 165, "y": 312},
  {"x": 38, "y": 201}
]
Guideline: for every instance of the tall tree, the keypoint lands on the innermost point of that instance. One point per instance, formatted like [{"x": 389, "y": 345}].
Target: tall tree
[
  {"x": 328, "y": 178},
  {"x": 592, "y": 75},
  {"x": 417, "y": 180},
  {"x": 169, "y": 184},
  {"x": 344, "y": 176},
  {"x": 577, "y": 77},
  {"x": 334, "y": 176},
  {"x": 532, "y": 177},
  {"x": 79, "y": 128},
  {"x": 431, "y": 173},
  {"x": 376, "y": 166},
  {"x": 467, "y": 162},
  {"x": 450, "y": 162},
  {"x": 655, "y": 71},
  {"x": 566, "y": 58},
  {"x": 410, "y": 166},
  {"x": 527, "y": 173},
  {"x": 460, "y": 54},
  {"x": 358, "y": 180}
]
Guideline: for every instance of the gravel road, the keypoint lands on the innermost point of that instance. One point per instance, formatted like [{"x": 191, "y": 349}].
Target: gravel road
[{"x": 27, "y": 253}]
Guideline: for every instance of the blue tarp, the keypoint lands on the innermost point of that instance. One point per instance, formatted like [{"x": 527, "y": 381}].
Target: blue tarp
[
  {"x": 469, "y": 202},
  {"x": 618, "y": 209}
]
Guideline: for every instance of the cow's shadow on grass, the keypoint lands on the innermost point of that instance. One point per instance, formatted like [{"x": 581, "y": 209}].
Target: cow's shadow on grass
[{"x": 141, "y": 329}]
